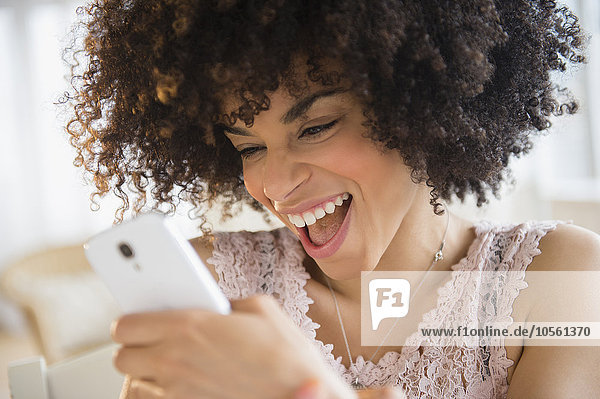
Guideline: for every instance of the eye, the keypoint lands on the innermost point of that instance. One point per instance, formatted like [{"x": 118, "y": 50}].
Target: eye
[
  {"x": 248, "y": 152},
  {"x": 317, "y": 130}
]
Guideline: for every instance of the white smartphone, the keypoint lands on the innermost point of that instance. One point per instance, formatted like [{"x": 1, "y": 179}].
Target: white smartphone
[{"x": 148, "y": 265}]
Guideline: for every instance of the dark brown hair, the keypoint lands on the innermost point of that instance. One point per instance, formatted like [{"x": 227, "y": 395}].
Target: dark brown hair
[{"x": 457, "y": 87}]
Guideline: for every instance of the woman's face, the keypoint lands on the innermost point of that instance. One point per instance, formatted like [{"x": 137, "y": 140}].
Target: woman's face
[{"x": 303, "y": 156}]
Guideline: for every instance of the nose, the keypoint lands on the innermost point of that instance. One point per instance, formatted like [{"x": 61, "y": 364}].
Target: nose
[{"x": 282, "y": 174}]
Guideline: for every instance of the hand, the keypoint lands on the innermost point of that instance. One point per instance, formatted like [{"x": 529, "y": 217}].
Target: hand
[
  {"x": 255, "y": 352},
  {"x": 313, "y": 389},
  {"x": 381, "y": 393}
]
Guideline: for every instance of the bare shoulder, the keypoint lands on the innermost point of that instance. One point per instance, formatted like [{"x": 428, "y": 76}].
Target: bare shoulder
[
  {"x": 568, "y": 247},
  {"x": 204, "y": 249},
  {"x": 561, "y": 371}
]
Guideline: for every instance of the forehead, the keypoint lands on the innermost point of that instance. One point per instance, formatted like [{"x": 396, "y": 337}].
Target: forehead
[
  {"x": 304, "y": 81},
  {"x": 290, "y": 109}
]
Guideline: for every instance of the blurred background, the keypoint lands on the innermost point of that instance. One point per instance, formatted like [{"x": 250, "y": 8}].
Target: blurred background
[{"x": 47, "y": 297}]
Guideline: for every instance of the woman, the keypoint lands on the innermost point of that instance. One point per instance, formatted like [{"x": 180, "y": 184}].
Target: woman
[{"x": 351, "y": 122}]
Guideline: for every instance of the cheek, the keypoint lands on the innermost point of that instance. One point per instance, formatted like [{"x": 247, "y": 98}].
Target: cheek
[
  {"x": 359, "y": 160},
  {"x": 347, "y": 155},
  {"x": 383, "y": 178},
  {"x": 254, "y": 186}
]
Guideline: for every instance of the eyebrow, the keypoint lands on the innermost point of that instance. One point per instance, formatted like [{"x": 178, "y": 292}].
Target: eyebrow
[
  {"x": 296, "y": 111},
  {"x": 237, "y": 131},
  {"x": 302, "y": 106}
]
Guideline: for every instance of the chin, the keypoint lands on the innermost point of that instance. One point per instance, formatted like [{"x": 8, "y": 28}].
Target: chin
[{"x": 345, "y": 269}]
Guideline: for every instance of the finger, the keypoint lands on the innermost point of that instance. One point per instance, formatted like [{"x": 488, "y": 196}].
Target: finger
[
  {"x": 392, "y": 393},
  {"x": 140, "y": 389},
  {"x": 255, "y": 304},
  {"x": 312, "y": 389},
  {"x": 381, "y": 393},
  {"x": 150, "y": 328},
  {"x": 138, "y": 362},
  {"x": 369, "y": 394},
  {"x": 137, "y": 329}
]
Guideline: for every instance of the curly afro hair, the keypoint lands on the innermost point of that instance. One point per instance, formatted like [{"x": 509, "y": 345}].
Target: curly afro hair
[{"x": 457, "y": 87}]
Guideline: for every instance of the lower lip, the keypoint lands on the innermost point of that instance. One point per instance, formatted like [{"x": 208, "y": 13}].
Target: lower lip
[{"x": 331, "y": 246}]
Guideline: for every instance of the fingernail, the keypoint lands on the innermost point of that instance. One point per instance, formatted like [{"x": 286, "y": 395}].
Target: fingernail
[{"x": 311, "y": 389}]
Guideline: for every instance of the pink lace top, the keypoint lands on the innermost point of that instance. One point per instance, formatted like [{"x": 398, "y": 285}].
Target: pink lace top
[{"x": 272, "y": 263}]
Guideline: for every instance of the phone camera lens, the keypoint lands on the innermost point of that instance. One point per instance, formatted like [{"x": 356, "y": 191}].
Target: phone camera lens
[{"x": 126, "y": 250}]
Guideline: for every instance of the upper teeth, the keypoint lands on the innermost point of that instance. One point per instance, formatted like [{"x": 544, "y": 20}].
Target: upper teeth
[{"x": 311, "y": 216}]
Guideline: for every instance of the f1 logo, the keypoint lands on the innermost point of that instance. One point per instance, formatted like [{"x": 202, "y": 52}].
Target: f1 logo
[{"x": 388, "y": 298}]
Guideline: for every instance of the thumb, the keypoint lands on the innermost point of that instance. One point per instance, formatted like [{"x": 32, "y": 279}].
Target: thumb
[
  {"x": 381, "y": 393},
  {"x": 264, "y": 304},
  {"x": 392, "y": 393}
]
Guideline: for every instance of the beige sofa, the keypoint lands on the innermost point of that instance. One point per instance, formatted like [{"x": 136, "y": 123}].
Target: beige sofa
[
  {"x": 68, "y": 312},
  {"x": 68, "y": 308}
]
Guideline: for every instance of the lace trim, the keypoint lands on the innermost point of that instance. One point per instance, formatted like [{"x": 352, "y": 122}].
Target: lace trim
[
  {"x": 271, "y": 263},
  {"x": 527, "y": 237},
  {"x": 265, "y": 262}
]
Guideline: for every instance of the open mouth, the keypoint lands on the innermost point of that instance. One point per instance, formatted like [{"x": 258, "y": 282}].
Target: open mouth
[
  {"x": 326, "y": 235},
  {"x": 325, "y": 228}
]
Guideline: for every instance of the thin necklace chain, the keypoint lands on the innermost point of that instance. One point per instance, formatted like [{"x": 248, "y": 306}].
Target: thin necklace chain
[{"x": 436, "y": 257}]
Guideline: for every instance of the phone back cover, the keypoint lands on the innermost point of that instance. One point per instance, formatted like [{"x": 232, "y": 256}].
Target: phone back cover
[{"x": 164, "y": 273}]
